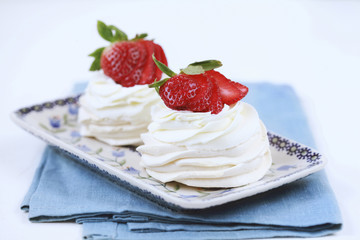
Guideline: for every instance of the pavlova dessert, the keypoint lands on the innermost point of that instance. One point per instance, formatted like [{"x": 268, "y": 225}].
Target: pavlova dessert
[
  {"x": 201, "y": 134},
  {"x": 115, "y": 107}
]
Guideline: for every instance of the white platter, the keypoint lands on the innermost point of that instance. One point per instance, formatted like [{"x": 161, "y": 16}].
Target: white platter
[{"x": 56, "y": 123}]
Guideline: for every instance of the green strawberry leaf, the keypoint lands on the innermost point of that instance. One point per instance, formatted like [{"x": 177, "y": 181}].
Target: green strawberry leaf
[
  {"x": 163, "y": 67},
  {"x": 201, "y": 67},
  {"x": 139, "y": 36},
  {"x": 207, "y": 64},
  {"x": 157, "y": 90},
  {"x": 110, "y": 33},
  {"x": 95, "y": 66},
  {"x": 97, "y": 53},
  {"x": 104, "y": 31},
  {"x": 119, "y": 35},
  {"x": 193, "y": 70}
]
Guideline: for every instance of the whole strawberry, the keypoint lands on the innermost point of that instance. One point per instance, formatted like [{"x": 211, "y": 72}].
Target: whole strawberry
[
  {"x": 198, "y": 88},
  {"x": 127, "y": 62}
]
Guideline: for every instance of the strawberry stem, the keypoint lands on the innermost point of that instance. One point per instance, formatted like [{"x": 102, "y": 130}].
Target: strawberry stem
[
  {"x": 163, "y": 67},
  {"x": 158, "y": 84}
]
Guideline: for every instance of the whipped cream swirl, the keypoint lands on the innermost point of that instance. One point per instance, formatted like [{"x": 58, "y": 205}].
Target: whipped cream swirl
[
  {"x": 227, "y": 149},
  {"x": 114, "y": 114}
]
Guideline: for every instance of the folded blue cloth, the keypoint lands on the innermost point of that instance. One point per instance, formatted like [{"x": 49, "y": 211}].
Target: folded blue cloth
[{"x": 63, "y": 190}]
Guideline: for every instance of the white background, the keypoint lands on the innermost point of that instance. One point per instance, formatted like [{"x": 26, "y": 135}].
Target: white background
[{"x": 312, "y": 45}]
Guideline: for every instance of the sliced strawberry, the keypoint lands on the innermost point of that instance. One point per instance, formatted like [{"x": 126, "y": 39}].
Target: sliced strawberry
[
  {"x": 229, "y": 91},
  {"x": 133, "y": 65},
  {"x": 196, "y": 93},
  {"x": 216, "y": 103},
  {"x": 113, "y": 59},
  {"x": 174, "y": 94},
  {"x": 160, "y": 55},
  {"x": 148, "y": 73},
  {"x": 243, "y": 89},
  {"x": 198, "y": 88},
  {"x": 127, "y": 62},
  {"x": 185, "y": 92}
]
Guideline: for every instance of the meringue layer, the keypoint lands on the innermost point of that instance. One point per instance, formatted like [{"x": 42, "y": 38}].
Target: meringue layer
[
  {"x": 227, "y": 149},
  {"x": 114, "y": 114}
]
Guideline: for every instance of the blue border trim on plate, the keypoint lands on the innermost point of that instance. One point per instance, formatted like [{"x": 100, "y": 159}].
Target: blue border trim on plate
[
  {"x": 302, "y": 153},
  {"x": 48, "y": 105}
]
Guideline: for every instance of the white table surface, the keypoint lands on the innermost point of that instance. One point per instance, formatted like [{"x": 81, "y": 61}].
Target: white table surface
[{"x": 312, "y": 45}]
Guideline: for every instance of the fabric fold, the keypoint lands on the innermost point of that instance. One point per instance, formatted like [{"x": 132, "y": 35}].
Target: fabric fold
[{"x": 65, "y": 190}]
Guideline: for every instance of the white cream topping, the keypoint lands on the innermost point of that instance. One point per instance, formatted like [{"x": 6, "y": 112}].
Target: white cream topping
[
  {"x": 227, "y": 149},
  {"x": 114, "y": 114}
]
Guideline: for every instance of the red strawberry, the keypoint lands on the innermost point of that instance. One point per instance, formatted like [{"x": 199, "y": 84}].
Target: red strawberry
[
  {"x": 230, "y": 91},
  {"x": 195, "y": 93},
  {"x": 127, "y": 62},
  {"x": 198, "y": 88},
  {"x": 149, "y": 68},
  {"x": 243, "y": 89},
  {"x": 159, "y": 54},
  {"x": 124, "y": 62}
]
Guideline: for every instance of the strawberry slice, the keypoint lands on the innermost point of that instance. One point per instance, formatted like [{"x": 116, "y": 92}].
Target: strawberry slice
[
  {"x": 148, "y": 71},
  {"x": 177, "y": 92},
  {"x": 187, "y": 92},
  {"x": 113, "y": 60},
  {"x": 216, "y": 103},
  {"x": 202, "y": 100},
  {"x": 125, "y": 69},
  {"x": 230, "y": 91},
  {"x": 243, "y": 89},
  {"x": 159, "y": 54}
]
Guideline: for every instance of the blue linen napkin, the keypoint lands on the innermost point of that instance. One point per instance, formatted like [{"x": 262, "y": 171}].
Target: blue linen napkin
[{"x": 63, "y": 190}]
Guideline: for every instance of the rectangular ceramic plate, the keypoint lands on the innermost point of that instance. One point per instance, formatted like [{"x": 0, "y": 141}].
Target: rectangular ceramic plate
[{"x": 56, "y": 123}]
